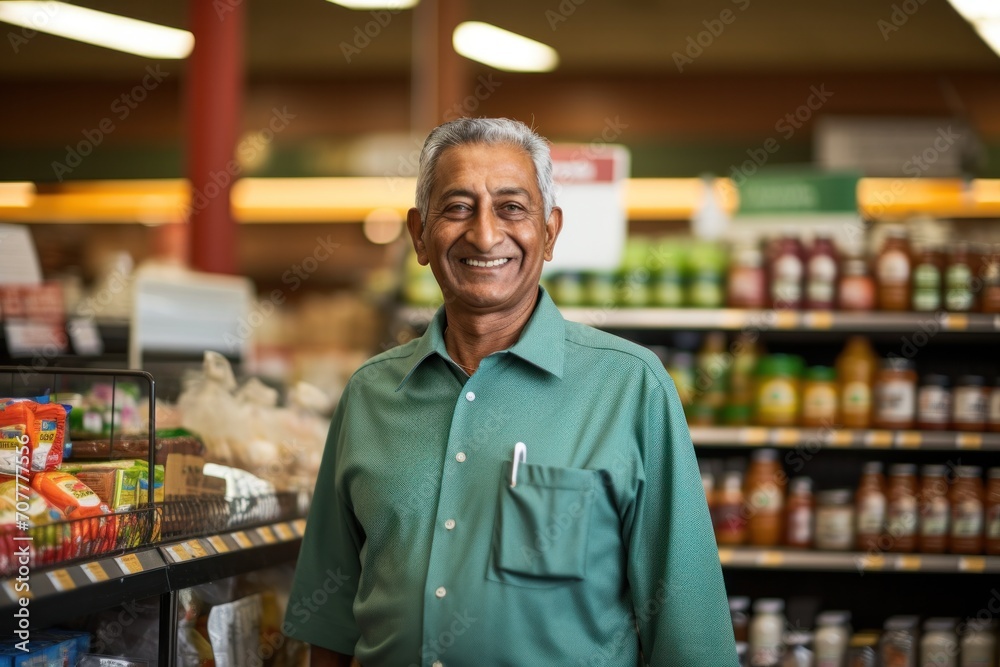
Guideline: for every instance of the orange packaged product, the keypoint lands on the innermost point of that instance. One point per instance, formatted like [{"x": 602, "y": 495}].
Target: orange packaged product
[
  {"x": 44, "y": 424},
  {"x": 16, "y": 420},
  {"x": 69, "y": 494}
]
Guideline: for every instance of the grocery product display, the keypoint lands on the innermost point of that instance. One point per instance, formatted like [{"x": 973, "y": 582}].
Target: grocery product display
[{"x": 827, "y": 638}]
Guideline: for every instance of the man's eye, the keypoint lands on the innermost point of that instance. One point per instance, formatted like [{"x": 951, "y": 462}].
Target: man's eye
[{"x": 512, "y": 208}]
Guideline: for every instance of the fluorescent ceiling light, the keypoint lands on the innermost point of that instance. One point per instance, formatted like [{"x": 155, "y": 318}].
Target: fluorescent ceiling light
[
  {"x": 503, "y": 49},
  {"x": 376, "y": 4},
  {"x": 972, "y": 10},
  {"x": 99, "y": 28}
]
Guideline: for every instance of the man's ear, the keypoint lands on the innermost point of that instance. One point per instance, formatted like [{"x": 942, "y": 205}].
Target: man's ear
[
  {"x": 552, "y": 228},
  {"x": 416, "y": 228}
]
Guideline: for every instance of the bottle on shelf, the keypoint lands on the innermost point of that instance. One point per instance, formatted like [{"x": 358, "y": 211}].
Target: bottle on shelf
[
  {"x": 799, "y": 513},
  {"x": 728, "y": 518},
  {"x": 822, "y": 269},
  {"x": 856, "y": 289},
  {"x": 778, "y": 390},
  {"x": 993, "y": 512},
  {"x": 966, "y": 511},
  {"x": 989, "y": 301},
  {"x": 978, "y": 644},
  {"x": 927, "y": 268},
  {"x": 766, "y": 632},
  {"x": 746, "y": 286},
  {"x": 968, "y": 412},
  {"x": 862, "y": 650},
  {"x": 819, "y": 397},
  {"x": 834, "y": 520},
  {"x": 855, "y": 371},
  {"x": 870, "y": 500},
  {"x": 798, "y": 651},
  {"x": 893, "y": 267},
  {"x": 939, "y": 644},
  {"x": 993, "y": 407},
  {"x": 958, "y": 293},
  {"x": 765, "y": 494},
  {"x": 787, "y": 272},
  {"x": 935, "y": 510},
  {"x": 895, "y": 389},
  {"x": 934, "y": 403},
  {"x": 901, "y": 508},
  {"x": 833, "y": 633},
  {"x": 899, "y": 641},
  {"x": 739, "y": 611}
]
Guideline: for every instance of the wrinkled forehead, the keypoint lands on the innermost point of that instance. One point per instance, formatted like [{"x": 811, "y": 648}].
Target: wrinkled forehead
[{"x": 493, "y": 167}]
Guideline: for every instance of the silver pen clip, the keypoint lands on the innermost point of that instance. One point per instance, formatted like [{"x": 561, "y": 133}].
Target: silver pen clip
[{"x": 520, "y": 456}]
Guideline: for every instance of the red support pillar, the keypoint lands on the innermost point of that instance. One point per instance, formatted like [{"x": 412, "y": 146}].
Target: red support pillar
[{"x": 214, "y": 98}]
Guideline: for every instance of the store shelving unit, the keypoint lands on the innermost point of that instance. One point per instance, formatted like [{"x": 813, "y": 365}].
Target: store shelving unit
[
  {"x": 62, "y": 593},
  {"x": 856, "y": 562},
  {"x": 833, "y": 438}
]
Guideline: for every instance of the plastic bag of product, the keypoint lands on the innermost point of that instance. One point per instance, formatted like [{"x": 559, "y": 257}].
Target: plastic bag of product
[
  {"x": 260, "y": 453},
  {"x": 209, "y": 408},
  {"x": 234, "y": 631},
  {"x": 39, "y": 425},
  {"x": 74, "y": 498}
]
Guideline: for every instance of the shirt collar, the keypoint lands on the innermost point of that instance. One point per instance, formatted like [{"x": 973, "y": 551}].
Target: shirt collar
[{"x": 542, "y": 342}]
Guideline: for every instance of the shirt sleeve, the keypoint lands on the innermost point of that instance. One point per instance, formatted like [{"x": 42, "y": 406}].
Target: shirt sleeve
[
  {"x": 678, "y": 593},
  {"x": 326, "y": 578}
]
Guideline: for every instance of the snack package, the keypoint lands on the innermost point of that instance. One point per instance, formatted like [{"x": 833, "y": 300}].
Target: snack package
[
  {"x": 40, "y": 511},
  {"x": 44, "y": 424},
  {"x": 69, "y": 494}
]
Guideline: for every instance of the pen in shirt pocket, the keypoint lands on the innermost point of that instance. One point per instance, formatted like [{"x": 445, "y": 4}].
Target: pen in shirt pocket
[{"x": 520, "y": 456}]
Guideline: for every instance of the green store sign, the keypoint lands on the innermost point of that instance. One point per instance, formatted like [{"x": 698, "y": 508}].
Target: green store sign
[{"x": 799, "y": 193}]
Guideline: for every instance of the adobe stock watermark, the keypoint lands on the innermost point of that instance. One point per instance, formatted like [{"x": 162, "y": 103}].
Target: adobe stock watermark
[
  {"x": 121, "y": 107},
  {"x": 435, "y": 649},
  {"x": 294, "y": 277},
  {"x": 39, "y": 19},
  {"x": 247, "y": 151},
  {"x": 561, "y": 13},
  {"x": 786, "y": 126},
  {"x": 714, "y": 28},
  {"x": 363, "y": 35},
  {"x": 407, "y": 165},
  {"x": 899, "y": 16}
]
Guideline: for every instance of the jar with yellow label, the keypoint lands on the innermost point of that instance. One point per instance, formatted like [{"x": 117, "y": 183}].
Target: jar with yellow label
[
  {"x": 777, "y": 396},
  {"x": 819, "y": 397}
]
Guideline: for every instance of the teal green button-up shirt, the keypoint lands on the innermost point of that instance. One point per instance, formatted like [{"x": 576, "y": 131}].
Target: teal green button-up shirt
[{"x": 427, "y": 545}]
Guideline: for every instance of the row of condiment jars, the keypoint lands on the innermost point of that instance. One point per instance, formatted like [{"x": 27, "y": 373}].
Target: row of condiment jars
[
  {"x": 863, "y": 391},
  {"x": 787, "y": 274},
  {"x": 947, "y": 509},
  {"x": 764, "y": 639}
]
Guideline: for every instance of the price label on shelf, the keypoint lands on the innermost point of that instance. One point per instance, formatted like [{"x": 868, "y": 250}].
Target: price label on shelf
[
  {"x": 753, "y": 436},
  {"x": 300, "y": 527},
  {"x": 725, "y": 556},
  {"x": 787, "y": 437},
  {"x": 971, "y": 564},
  {"x": 196, "y": 549},
  {"x": 129, "y": 563},
  {"x": 970, "y": 441},
  {"x": 786, "y": 319},
  {"x": 178, "y": 553},
  {"x": 878, "y": 439},
  {"x": 11, "y": 586},
  {"x": 94, "y": 572},
  {"x": 819, "y": 319},
  {"x": 871, "y": 562},
  {"x": 61, "y": 580},
  {"x": 218, "y": 544},
  {"x": 242, "y": 540},
  {"x": 284, "y": 532},
  {"x": 840, "y": 439},
  {"x": 954, "y": 322},
  {"x": 908, "y": 563},
  {"x": 770, "y": 558},
  {"x": 909, "y": 440},
  {"x": 267, "y": 535}
]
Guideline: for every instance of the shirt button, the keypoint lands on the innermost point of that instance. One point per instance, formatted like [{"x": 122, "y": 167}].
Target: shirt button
[
  {"x": 460, "y": 457},
  {"x": 440, "y": 592},
  {"x": 471, "y": 396},
  {"x": 449, "y": 524}
]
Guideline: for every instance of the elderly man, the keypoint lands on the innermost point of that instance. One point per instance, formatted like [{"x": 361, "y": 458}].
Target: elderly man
[{"x": 510, "y": 488}]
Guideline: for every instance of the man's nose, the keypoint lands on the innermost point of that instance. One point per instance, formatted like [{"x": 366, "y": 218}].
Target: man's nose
[{"x": 484, "y": 232}]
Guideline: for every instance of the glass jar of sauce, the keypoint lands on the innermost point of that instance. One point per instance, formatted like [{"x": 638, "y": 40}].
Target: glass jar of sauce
[
  {"x": 834, "y": 520},
  {"x": 777, "y": 395},
  {"x": 935, "y": 510},
  {"x": 892, "y": 269},
  {"x": 968, "y": 411},
  {"x": 765, "y": 498},
  {"x": 927, "y": 279},
  {"x": 799, "y": 513},
  {"x": 871, "y": 503},
  {"x": 967, "y": 511},
  {"x": 822, "y": 268},
  {"x": 856, "y": 291},
  {"x": 934, "y": 403},
  {"x": 993, "y": 512},
  {"x": 895, "y": 394},
  {"x": 901, "y": 508}
]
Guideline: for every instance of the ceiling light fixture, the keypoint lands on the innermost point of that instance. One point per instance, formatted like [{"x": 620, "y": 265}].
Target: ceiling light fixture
[
  {"x": 984, "y": 15},
  {"x": 389, "y": 5},
  {"x": 111, "y": 31},
  {"x": 503, "y": 49},
  {"x": 989, "y": 30}
]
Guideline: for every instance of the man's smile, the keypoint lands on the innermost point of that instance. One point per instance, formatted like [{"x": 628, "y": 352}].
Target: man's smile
[{"x": 488, "y": 264}]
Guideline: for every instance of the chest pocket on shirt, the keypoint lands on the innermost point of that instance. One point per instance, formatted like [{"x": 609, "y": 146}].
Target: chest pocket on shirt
[{"x": 542, "y": 524}]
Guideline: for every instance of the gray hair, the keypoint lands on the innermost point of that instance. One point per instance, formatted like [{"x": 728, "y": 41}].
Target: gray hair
[{"x": 488, "y": 131}]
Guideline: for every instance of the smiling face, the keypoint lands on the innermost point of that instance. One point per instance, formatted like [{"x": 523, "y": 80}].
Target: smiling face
[{"x": 485, "y": 237}]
